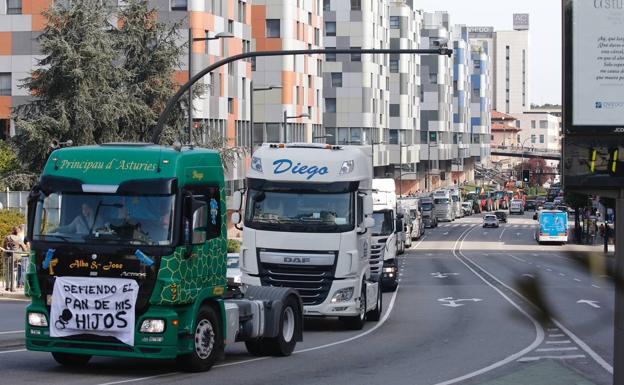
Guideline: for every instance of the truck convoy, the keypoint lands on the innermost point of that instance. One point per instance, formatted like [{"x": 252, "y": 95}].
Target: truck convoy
[
  {"x": 443, "y": 205},
  {"x": 129, "y": 260},
  {"x": 388, "y": 234},
  {"x": 307, "y": 226}
]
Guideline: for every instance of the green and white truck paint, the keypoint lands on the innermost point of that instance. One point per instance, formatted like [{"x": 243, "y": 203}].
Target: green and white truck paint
[{"x": 133, "y": 264}]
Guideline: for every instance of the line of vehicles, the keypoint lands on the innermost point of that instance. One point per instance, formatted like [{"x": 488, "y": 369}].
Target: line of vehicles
[{"x": 133, "y": 261}]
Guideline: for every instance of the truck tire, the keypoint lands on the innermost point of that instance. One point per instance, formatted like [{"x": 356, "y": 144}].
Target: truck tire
[
  {"x": 71, "y": 359},
  {"x": 357, "y": 322},
  {"x": 257, "y": 348},
  {"x": 375, "y": 314},
  {"x": 208, "y": 345},
  {"x": 284, "y": 344}
]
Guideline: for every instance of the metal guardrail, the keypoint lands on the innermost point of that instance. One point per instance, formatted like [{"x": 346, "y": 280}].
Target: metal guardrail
[
  {"x": 525, "y": 152},
  {"x": 14, "y": 267}
]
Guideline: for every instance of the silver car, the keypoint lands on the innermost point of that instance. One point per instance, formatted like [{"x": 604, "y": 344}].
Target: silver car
[{"x": 490, "y": 220}]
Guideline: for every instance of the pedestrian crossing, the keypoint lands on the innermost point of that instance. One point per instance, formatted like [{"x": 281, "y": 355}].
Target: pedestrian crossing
[{"x": 458, "y": 225}]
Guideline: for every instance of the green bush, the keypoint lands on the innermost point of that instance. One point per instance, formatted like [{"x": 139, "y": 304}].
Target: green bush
[
  {"x": 9, "y": 219},
  {"x": 233, "y": 246}
]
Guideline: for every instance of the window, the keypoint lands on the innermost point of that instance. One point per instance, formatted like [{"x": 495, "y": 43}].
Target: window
[
  {"x": 253, "y": 63},
  {"x": 5, "y": 84},
  {"x": 206, "y": 222},
  {"x": 317, "y": 36},
  {"x": 395, "y": 110},
  {"x": 356, "y": 56},
  {"x": 273, "y": 28},
  {"x": 330, "y": 104},
  {"x": 542, "y": 139},
  {"x": 336, "y": 79},
  {"x": 230, "y": 105},
  {"x": 309, "y": 81},
  {"x": 230, "y": 26},
  {"x": 330, "y": 57},
  {"x": 176, "y": 5},
  {"x": 533, "y": 124},
  {"x": 395, "y": 22},
  {"x": 543, "y": 123},
  {"x": 394, "y": 65},
  {"x": 298, "y": 30},
  {"x": 330, "y": 28},
  {"x": 356, "y": 5},
  {"x": 242, "y": 12},
  {"x": 309, "y": 18},
  {"x": 433, "y": 78},
  {"x": 533, "y": 139},
  {"x": 326, "y": 5}
]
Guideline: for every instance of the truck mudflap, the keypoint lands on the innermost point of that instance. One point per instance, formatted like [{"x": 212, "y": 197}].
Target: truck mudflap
[{"x": 274, "y": 299}]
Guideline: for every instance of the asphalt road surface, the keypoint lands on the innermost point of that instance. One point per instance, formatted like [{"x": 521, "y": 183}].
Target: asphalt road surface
[{"x": 463, "y": 314}]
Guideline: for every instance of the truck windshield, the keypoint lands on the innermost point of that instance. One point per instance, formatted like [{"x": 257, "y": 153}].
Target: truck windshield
[
  {"x": 105, "y": 218},
  {"x": 441, "y": 201},
  {"x": 300, "y": 212},
  {"x": 455, "y": 198},
  {"x": 383, "y": 223},
  {"x": 427, "y": 206}
]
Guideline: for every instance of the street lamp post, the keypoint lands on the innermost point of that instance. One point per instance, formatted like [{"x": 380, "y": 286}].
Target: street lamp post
[
  {"x": 251, "y": 110},
  {"x": 220, "y": 35},
  {"x": 286, "y": 117},
  {"x": 373, "y": 154}
]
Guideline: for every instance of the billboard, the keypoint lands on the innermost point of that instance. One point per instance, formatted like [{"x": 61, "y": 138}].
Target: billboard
[{"x": 521, "y": 21}]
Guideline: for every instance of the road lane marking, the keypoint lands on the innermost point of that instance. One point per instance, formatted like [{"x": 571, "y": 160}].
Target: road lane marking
[
  {"x": 591, "y": 303},
  {"x": 571, "y": 357},
  {"x": 529, "y": 276},
  {"x": 13, "y": 351},
  {"x": 577, "y": 280},
  {"x": 539, "y": 337},
  {"x": 516, "y": 258},
  {"x": 12, "y": 332},
  {"x": 596, "y": 286},
  {"x": 595, "y": 356},
  {"x": 548, "y": 269},
  {"x": 556, "y": 335},
  {"x": 561, "y": 274},
  {"x": 558, "y": 342},
  {"x": 501, "y": 234},
  {"x": 13, "y": 299},
  {"x": 442, "y": 275},
  {"x": 557, "y": 349},
  {"x": 455, "y": 302}
]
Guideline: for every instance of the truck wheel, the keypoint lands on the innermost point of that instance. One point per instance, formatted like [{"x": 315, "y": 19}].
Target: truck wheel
[
  {"x": 357, "y": 322},
  {"x": 375, "y": 314},
  {"x": 284, "y": 344},
  {"x": 257, "y": 348},
  {"x": 208, "y": 343},
  {"x": 70, "y": 359}
]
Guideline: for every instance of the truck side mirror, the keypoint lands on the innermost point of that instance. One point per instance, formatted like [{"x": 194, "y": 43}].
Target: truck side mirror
[
  {"x": 398, "y": 226},
  {"x": 236, "y": 218},
  {"x": 33, "y": 198},
  {"x": 237, "y": 201},
  {"x": 368, "y": 222},
  {"x": 368, "y": 205}
]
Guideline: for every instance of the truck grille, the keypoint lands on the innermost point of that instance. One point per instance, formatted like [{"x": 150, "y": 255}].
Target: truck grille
[
  {"x": 376, "y": 257},
  {"x": 312, "y": 282}
]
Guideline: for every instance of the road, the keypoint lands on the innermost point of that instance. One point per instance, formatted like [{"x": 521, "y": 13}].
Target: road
[{"x": 462, "y": 314}]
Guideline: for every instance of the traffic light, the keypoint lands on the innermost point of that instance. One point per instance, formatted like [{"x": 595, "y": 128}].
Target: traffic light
[{"x": 526, "y": 176}]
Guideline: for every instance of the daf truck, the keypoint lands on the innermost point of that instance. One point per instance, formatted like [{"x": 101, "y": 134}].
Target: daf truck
[
  {"x": 444, "y": 210},
  {"x": 308, "y": 221},
  {"x": 388, "y": 235},
  {"x": 129, "y": 257}
]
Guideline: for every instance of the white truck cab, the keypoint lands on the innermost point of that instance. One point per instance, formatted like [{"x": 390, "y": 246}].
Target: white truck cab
[
  {"x": 307, "y": 226},
  {"x": 443, "y": 205},
  {"x": 388, "y": 238},
  {"x": 414, "y": 223},
  {"x": 458, "y": 212}
]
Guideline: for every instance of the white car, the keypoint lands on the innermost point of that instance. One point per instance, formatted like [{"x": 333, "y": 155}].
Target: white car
[
  {"x": 490, "y": 220},
  {"x": 467, "y": 207}
]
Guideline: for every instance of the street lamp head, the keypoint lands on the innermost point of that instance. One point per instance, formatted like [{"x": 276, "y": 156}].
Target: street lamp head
[{"x": 223, "y": 35}]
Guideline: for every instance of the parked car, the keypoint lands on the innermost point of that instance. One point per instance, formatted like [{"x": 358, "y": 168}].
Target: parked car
[
  {"x": 490, "y": 220},
  {"x": 530, "y": 205},
  {"x": 501, "y": 215}
]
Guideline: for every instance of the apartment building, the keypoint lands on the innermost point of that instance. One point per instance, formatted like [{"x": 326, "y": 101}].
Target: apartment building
[
  {"x": 404, "y": 136},
  {"x": 287, "y": 90},
  {"x": 539, "y": 130},
  {"x": 505, "y": 134},
  {"x": 480, "y": 99},
  {"x": 462, "y": 165},
  {"x": 356, "y": 87},
  {"x": 436, "y": 73}
]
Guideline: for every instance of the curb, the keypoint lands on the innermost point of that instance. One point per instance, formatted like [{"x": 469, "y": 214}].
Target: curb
[{"x": 13, "y": 295}]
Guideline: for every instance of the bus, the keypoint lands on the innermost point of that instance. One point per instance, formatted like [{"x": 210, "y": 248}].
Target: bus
[{"x": 552, "y": 226}]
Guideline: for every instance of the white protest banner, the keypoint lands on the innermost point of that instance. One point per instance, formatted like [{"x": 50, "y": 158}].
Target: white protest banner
[{"x": 100, "y": 306}]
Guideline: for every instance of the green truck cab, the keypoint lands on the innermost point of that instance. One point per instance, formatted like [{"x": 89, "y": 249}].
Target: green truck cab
[{"x": 129, "y": 251}]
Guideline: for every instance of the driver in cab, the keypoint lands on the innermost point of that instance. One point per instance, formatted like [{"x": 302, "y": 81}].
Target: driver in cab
[{"x": 83, "y": 223}]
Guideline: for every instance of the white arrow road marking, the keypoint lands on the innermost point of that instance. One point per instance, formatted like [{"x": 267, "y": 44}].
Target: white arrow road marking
[
  {"x": 454, "y": 302},
  {"x": 447, "y": 233},
  {"x": 529, "y": 275},
  {"x": 593, "y": 304},
  {"x": 442, "y": 275}
]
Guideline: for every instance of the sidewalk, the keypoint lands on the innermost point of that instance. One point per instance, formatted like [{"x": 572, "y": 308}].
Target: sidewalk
[
  {"x": 597, "y": 248},
  {"x": 16, "y": 294}
]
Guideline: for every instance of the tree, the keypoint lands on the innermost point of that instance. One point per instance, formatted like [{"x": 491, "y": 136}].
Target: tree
[
  {"x": 75, "y": 86},
  {"x": 150, "y": 56}
]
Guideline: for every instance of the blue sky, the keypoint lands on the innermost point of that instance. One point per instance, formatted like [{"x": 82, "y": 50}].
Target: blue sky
[{"x": 545, "y": 35}]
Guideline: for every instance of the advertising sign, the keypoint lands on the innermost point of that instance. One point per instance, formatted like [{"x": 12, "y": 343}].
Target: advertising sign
[
  {"x": 521, "y": 21},
  {"x": 100, "y": 306},
  {"x": 598, "y": 60}
]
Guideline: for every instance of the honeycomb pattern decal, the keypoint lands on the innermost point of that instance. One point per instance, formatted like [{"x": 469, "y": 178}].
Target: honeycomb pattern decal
[{"x": 184, "y": 279}]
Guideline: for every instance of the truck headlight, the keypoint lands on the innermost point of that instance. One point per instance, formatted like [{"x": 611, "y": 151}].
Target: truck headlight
[
  {"x": 342, "y": 295},
  {"x": 389, "y": 269},
  {"x": 153, "y": 326},
  {"x": 37, "y": 319}
]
